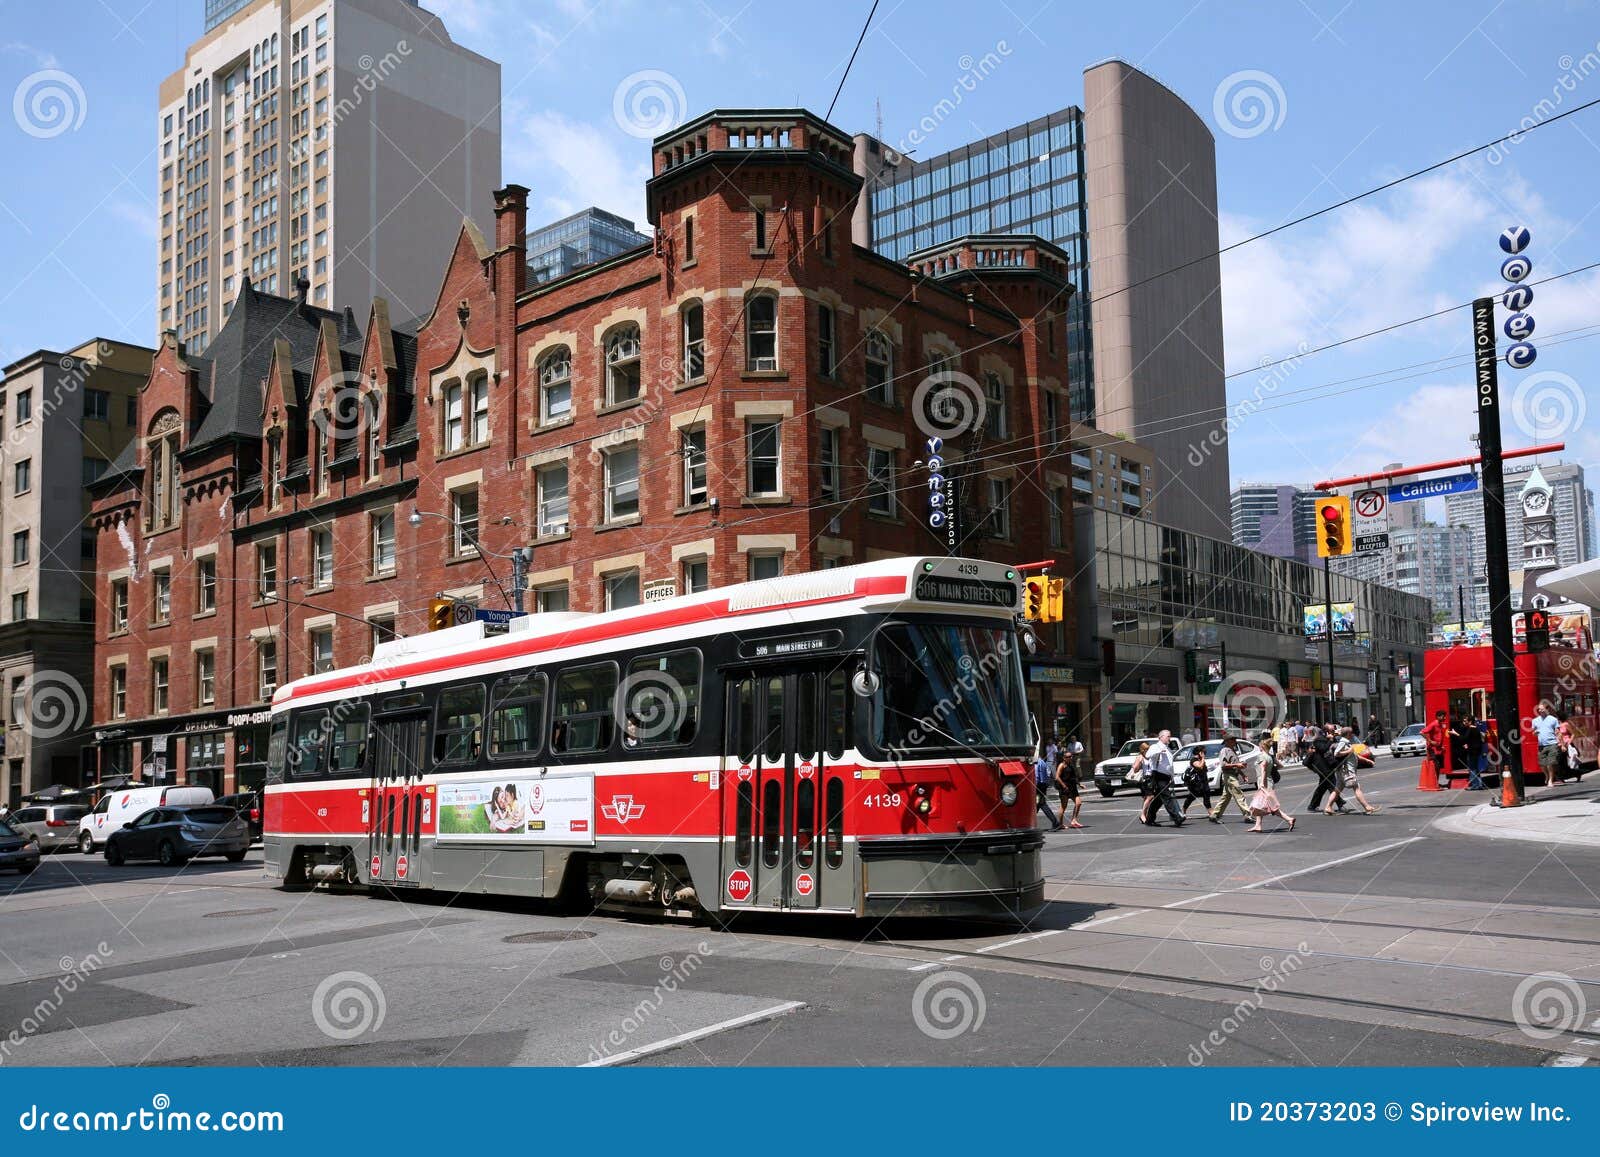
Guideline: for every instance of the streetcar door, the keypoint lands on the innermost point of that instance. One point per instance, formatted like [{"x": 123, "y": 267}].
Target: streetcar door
[
  {"x": 393, "y": 831},
  {"x": 777, "y": 819}
]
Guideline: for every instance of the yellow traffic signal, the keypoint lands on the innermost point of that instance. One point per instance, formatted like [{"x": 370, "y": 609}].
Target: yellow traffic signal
[
  {"x": 1037, "y": 596},
  {"x": 441, "y": 614},
  {"x": 1334, "y": 537},
  {"x": 1056, "y": 601}
]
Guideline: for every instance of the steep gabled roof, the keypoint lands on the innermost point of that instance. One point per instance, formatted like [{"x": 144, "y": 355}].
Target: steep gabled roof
[{"x": 236, "y": 361}]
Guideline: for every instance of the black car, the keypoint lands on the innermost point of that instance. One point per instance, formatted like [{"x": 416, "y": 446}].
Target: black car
[
  {"x": 18, "y": 849},
  {"x": 248, "y": 805},
  {"x": 175, "y": 834}
]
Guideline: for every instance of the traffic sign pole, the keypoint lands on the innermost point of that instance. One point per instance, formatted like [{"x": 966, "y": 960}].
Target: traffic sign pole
[{"x": 1498, "y": 567}]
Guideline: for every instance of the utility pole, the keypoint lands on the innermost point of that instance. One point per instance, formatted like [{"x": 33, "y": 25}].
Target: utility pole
[
  {"x": 1461, "y": 600},
  {"x": 1327, "y": 608},
  {"x": 1497, "y": 567}
]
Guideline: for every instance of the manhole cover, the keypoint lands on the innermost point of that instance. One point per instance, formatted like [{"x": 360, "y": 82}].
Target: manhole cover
[
  {"x": 546, "y": 937},
  {"x": 238, "y": 912}
]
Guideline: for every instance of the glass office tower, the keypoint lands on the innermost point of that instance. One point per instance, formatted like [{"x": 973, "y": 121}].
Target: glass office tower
[{"x": 1027, "y": 179}]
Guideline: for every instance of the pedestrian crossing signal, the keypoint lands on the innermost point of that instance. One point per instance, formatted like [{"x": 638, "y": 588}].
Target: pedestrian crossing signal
[
  {"x": 1334, "y": 538},
  {"x": 1538, "y": 630},
  {"x": 1055, "y": 603},
  {"x": 441, "y": 614}
]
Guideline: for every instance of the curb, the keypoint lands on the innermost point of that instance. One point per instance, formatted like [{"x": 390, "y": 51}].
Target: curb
[{"x": 1559, "y": 823}]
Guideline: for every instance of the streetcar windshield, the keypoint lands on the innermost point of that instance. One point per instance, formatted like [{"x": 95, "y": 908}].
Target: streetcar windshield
[{"x": 938, "y": 681}]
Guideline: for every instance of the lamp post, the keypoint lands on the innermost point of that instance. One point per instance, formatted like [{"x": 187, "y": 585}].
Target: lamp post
[{"x": 520, "y": 557}]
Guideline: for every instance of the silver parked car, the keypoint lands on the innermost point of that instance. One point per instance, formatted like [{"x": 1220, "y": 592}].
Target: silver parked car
[
  {"x": 1409, "y": 744},
  {"x": 1252, "y": 756},
  {"x": 55, "y": 825}
]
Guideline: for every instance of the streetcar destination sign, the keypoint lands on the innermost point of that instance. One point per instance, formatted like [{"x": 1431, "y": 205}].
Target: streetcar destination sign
[
  {"x": 1433, "y": 487},
  {"x": 940, "y": 589}
]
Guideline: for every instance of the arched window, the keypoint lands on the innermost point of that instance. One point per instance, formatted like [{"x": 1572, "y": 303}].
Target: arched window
[
  {"x": 694, "y": 341},
  {"x": 555, "y": 386},
  {"x": 761, "y": 333},
  {"x": 880, "y": 368},
  {"x": 161, "y": 473},
  {"x": 622, "y": 365}
]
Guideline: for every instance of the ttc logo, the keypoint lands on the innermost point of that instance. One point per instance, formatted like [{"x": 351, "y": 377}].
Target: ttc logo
[{"x": 622, "y": 809}]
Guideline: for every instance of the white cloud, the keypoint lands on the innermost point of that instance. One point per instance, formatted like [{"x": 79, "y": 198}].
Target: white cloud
[
  {"x": 141, "y": 217},
  {"x": 570, "y": 165},
  {"x": 1365, "y": 266},
  {"x": 39, "y": 56}
]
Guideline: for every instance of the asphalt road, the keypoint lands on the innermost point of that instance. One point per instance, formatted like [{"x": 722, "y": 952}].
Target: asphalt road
[{"x": 1352, "y": 940}]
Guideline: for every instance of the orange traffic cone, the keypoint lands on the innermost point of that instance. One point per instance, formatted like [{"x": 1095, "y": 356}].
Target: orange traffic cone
[
  {"x": 1428, "y": 779},
  {"x": 1508, "y": 791}
]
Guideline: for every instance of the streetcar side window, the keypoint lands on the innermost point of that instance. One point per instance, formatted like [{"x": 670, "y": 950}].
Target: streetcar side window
[
  {"x": 833, "y": 832},
  {"x": 308, "y": 743},
  {"x": 744, "y": 805},
  {"x": 516, "y": 715},
  {"x": 662, "y": 700},
  {"x": 771, "y": 822},
  {"x": 805, "y": 823},
  {"x": 806, "y": 721},
  {"x": 745, "y": 747},
  {"x": 348, "y": 742},
  {"x": 772, "y": 728},
  {"x": 277, "y": 749},
  {"x": 458, "y": 724},
  {"x": 583, "y": 709},
  {"x": 838, "y": 713}
]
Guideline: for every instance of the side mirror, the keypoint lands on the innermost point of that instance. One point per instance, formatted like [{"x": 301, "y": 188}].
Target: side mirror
[{"x": 865, "y": 683}]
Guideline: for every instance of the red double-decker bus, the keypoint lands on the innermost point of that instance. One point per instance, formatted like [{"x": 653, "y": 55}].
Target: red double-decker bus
[
  {"x": 853, "y": 741},
  {"x": 1461, "y": 680}
]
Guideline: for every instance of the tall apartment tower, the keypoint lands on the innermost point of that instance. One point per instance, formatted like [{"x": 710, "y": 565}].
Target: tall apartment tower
[
  {"x": 340, "y": 141},
  {"x": 1276, "y": 518},
  {"x": 1126, "y": 186}
]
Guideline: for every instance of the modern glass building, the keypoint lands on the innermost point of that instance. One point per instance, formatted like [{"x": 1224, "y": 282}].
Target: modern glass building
[
  {"x": 1162, "y": 594},
  {"x": 1098, "y": 180},
  {"x": 581, "y": 239},
  {"x": 1027, "y": 179}
]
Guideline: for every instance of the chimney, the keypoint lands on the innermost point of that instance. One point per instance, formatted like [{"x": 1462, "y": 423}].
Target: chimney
[
  {"x": 511, "y": 237},
  {"x": 302, "y": 286},
  {"x": 510, "y": 279}
]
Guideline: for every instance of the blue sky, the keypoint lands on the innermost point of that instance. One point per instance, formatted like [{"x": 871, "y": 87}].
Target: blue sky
[{"x": 1356, "y": 94}]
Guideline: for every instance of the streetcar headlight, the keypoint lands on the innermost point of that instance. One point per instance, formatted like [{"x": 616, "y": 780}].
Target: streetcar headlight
[{"x": 1008, "y": 794}]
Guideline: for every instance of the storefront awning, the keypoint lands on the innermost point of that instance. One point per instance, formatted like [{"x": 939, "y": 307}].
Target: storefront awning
[{"x": 1579, "y": 583}]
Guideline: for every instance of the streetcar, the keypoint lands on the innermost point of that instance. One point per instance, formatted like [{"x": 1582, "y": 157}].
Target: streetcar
[{"x": 851, "y": 741}]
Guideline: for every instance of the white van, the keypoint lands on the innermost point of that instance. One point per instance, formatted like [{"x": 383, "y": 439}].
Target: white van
[{"x": 117, "y": 809}]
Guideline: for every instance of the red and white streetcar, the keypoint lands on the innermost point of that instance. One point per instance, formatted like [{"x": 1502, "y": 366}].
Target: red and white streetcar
[{"x": 851, "y": 741}]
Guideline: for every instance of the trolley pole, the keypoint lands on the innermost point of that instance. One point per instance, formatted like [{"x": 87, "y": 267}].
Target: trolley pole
[
  {"x": 1327, "y": 617},
  {"x": 1508, "y": 744}
]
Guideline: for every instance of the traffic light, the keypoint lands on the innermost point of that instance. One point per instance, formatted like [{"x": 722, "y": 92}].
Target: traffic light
[
  {"x": 1538, "y": 630},
  {"x": 441, "y": 614},
  {"x": 1056, "y": 601},
  {"x": 1333, "y": 527},
  {"x": 1037, "y": 597}
]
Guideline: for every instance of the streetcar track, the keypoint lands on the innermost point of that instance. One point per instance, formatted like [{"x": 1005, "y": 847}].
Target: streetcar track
[{"x": 1123, "y": 975}]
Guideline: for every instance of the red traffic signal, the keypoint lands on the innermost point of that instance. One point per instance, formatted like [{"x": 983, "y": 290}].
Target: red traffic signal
[{"x": 1334, "y": 538}]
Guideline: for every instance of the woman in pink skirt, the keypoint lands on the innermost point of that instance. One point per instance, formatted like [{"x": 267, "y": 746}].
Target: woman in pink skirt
[{"x": 1265, "y": 802}]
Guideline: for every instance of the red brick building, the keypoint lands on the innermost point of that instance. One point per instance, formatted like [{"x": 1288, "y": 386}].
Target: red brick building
[{"x": 748, "y": 396}]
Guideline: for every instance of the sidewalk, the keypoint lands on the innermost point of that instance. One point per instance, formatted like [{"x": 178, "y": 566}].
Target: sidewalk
[{"x": 1547, "y": 820}]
